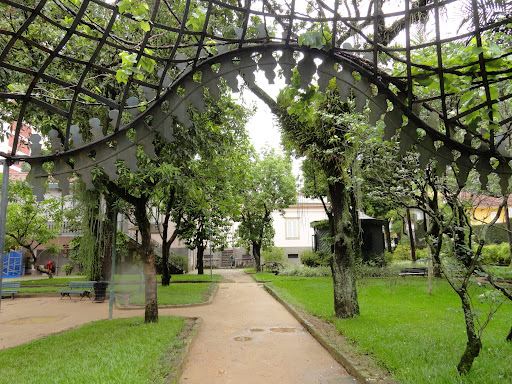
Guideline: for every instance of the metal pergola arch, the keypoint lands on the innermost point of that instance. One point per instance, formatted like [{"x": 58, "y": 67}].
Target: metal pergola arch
[{"x": 53, "y": 31}]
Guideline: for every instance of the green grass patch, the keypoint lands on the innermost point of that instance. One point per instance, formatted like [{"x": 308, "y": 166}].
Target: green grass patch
[
  {"x": 53, "y": 281},
  {"x": 187, "y": 277},
  {"x": 45, "y": 289},
  {"x": 418, "y": 337},
  {"x": 268, "y": 276},
  {"x": 116, "y": 351},
  {"x": 174, "y": 294}
]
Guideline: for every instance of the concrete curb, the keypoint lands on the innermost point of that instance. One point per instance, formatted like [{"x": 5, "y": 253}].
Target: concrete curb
[
  {"x": 337, "y": 354},
  {"x": 180, "y": 360}
]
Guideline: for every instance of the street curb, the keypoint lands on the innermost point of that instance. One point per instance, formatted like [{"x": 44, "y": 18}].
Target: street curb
[
  {"x": 335, "y": 352},
  {"x": 181, "y": 360}
]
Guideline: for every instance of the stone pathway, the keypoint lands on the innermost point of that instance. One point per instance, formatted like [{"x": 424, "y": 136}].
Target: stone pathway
[{"x": 245, "y": 335}]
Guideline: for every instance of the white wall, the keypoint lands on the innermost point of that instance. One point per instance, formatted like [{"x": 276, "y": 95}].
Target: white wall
[{"x": 305, "y": 212}]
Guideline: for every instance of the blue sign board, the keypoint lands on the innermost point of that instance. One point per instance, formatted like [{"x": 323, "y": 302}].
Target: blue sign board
[{"x": 12, "y": 264}]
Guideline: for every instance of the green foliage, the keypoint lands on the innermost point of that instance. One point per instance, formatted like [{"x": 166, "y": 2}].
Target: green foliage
[
  {"x": 273, "y": 254},
  {"x": 417, "y": 337},
  {"x": 305, "y": 271},
  {"x": 179, "y": 261},
  {"x": 31, "y": 223},
  {"x": 496, "y": 254},
  {"x": 68, "y": 268},
  {"x": 496, "y": 234},
  {"x": 312, "y": 258},
  {"x": 402, "y": 252},
  {"x": 308, "y": 258},
  {"x": 85, "y": 355},
  {"x": 316, "y": 39},
  {"x": 269, "y": 187}
]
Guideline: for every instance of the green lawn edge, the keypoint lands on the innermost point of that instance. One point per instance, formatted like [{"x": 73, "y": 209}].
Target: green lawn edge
[{"x": 113, "y": 351}]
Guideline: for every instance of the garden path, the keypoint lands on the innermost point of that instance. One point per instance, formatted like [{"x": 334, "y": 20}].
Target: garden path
[{"x": 245, "y": 335}]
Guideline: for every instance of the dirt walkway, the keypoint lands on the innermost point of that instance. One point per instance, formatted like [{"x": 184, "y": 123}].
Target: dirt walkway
[{"x": 245, "y": 336}]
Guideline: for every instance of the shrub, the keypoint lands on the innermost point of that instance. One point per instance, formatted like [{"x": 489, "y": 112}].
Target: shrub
[
  {"x": 496, "y": 254},
  {"x": 313, "y": 259},
  {"x": 180, "y": 262},
  {"x": 67, "y": 268},
  {"x": 324, "y": 258},
  {"x": 305, "y": 271},
  {"x": 402, "y": 252},
  {"x": 273, "y": 254}
]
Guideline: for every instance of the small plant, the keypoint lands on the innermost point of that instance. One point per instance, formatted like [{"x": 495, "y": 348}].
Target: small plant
[
  {"x": 305, "y": 271},
  {"x": 68, "y": 268},
  {"x": 273, "y": 254},
  {"x": 402, "y": 252},
  {"x": 313, "y": 259},
  {"x": 179, "y": 262}
]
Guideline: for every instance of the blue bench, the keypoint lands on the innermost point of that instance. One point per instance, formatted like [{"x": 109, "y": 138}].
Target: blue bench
[
  {"x": 82, "y": 288},
  {"x": 8, "y": 288}
]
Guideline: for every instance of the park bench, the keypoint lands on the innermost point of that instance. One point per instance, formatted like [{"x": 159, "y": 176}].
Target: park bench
[
  {"x": 272, "y": 266},
  {"x": 418, "y": 271},
  {"x": 8, "y": 288},
  {"x": 82, "y": 288}
]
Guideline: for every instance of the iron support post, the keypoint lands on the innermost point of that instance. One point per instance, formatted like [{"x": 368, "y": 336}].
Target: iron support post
[{"x": 3, "y": 218}]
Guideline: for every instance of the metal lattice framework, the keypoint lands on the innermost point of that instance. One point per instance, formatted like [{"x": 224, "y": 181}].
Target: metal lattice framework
[{"x": 90, "y": 73}]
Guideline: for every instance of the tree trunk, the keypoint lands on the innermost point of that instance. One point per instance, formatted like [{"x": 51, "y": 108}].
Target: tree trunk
[
  {"x": 166, "y": 277},
  {"x": 200, "y": 257},
  {"x": 256, "y": 253},
  {"x": 509, "y": 234},
  {"x": 345, "y": 295},
  {"x": 33, "y": 258},
  {"x": 474, "y": 344},
  {"x": 509, "y": 336},
  {"x": 148, "y": 260},
  {"x": 387, "y": 233},
  {"x": 411, "y": 235}
]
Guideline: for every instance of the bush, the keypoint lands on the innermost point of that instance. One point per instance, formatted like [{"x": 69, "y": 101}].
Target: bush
[
  {"x": 308, "y": 258},
  {"x": 273, "y": 254},
  {"x": 496, "y": 234},
  {"x": 314, "y": 259},
  {"x": 496, "y": 254},
  {"x": 402, "y": 252},
  {"x": 304, "y": 271},
  {"x": 179, "y": 262},
  {"x": 67, "y": 268}
]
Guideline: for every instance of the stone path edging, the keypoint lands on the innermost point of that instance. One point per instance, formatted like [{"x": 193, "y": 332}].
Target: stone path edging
[
  {"x": 181, "y": 359},
  {"x": 335, "y": 352}
]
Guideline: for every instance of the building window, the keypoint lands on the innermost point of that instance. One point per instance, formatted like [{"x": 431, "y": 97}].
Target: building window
[
  {"x": 293, "y": 255},
  {"x": 292, "y": 228}
]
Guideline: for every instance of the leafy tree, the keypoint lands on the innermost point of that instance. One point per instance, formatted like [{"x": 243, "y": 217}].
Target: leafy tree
[
  {"x": 270, "y": 187},
  {"x": 31, "y": 223},
  {"x": 331, "y": 134}
]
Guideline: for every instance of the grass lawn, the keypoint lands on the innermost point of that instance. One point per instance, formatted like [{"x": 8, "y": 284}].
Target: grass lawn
[
  {"x": 269, "y": 276},
  {"x": 53, "y": 281},
  {"x": 418, "y": 337},
  {"x": 43, "y": 289},
  {"x": 135, "y": 278},
  {"x": 117, "y": 351},
  {"x": 174, "y": 294}
]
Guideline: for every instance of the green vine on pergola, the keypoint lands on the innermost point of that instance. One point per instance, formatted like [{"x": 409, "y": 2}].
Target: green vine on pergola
[{"x": 163, "y": 57}]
